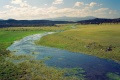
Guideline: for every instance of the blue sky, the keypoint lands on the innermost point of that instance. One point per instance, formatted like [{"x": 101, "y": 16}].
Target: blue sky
[{"x": 41, "y": 9}]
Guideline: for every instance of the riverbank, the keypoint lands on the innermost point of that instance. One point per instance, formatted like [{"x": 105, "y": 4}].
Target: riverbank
[
  {"x": 99, "y": 40},
  {"x": 28, "y": 69},
  {"x": 11, "y": 34}
]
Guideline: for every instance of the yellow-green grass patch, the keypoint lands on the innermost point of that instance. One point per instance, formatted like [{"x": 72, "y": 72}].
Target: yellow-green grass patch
[{"x": 89, "y": 39}]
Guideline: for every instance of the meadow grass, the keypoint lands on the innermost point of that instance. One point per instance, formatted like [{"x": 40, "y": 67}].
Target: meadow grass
[
  {"x": 88, "y": 39},
  {"x": 8, "y": 37}
]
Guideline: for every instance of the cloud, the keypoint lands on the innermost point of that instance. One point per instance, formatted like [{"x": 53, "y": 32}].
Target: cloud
[
  {"x": 45, "y": 4},
  {"x": 16, "y": 1},
  {"x": 26, "y": 11},
  {"x": 93, "y": 4},
  {"x": 21, "y": 3},
  {"x": 102, "y": 10},
  {"x": 58, "y": 2},
  {"x": 78, "y": 4},
  {"x": 8, "y": 6},
  {"x": 24, "y": 4},
  {"x": 113, "y": 12}
]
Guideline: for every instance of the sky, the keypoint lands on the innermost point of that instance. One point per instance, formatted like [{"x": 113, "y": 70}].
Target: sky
[{"x": 42, "y": 9}]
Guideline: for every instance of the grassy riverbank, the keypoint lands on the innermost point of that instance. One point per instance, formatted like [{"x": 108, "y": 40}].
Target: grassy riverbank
[
  {"x": 29, "y": 69},
  {"x": 9, "y": 35},
  {"x": 98, "y": 40}
]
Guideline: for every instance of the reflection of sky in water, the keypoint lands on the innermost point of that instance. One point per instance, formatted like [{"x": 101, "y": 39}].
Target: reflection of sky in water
[{"x": 95, "y": 68}]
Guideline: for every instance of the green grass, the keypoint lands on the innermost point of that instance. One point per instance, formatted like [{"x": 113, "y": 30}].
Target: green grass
[
  {"x": 88, "y": 39},
  {"x": 8, "y": 37}
]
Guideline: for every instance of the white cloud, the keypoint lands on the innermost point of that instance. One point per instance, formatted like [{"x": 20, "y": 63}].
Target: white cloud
[
  {"x": 92, "y": 4},
  {"x": 106, "y": 13},
  {"x": 16, "y": 1},
  {"x": 8, "y": 6},
  {"x": 24, "y": 4},
  {"x": 78, "y": 4},
  {"x": 21, "y": 3},
  {"x": 3, "y": 12},
  {"x": 58, "y": 2}
]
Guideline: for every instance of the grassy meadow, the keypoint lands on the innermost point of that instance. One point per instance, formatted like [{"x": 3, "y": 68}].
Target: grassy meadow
[
  {"x": 88, "y": 39},
  {"x": 29, "y": 69},
  {"x": 99, "y": 40}
]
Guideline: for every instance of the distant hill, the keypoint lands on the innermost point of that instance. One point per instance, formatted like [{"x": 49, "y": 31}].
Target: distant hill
[
  {"x": 10, "y": 19},
  {"x": 99, "y": 21},
  {"x": 54, "y": 21},
  {"x": 29, "y": 23},
  {"x": 1, "y": 19},
  {"x": 74, "y": 19}
]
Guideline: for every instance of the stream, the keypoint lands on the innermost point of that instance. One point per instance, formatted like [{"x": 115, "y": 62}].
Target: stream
[{"x": 95, "y": 68}]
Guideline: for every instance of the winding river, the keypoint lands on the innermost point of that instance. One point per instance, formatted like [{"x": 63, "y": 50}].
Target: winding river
[{"x": 95, "y": 68}]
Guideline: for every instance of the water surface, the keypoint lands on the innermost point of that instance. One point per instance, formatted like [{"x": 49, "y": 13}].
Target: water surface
[{"x": 95, "y": 68}]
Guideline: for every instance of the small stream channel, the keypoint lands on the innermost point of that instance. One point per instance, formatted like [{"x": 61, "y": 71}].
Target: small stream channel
[{"x": 95, "y": 68}]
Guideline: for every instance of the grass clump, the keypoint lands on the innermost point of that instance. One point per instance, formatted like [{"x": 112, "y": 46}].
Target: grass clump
[
  {"x": 98, "y": 40},
  {"x": 113, "y": 76},
  {"x": 35, "y": 70}
]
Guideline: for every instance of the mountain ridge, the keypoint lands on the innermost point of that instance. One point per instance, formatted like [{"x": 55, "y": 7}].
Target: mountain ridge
[
  {"x": 39, "y": 23},
  {"x": 74, "y": 19}
]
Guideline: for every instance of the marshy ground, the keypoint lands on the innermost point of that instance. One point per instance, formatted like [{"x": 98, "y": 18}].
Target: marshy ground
[{"x": 98, "y": 40}]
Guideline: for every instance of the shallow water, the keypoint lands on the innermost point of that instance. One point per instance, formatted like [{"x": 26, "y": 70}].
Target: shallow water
[{"x": 95, "y": 68}]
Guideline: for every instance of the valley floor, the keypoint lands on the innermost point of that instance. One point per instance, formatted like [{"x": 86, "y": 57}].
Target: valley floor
[{"x": 98, "y": 40}]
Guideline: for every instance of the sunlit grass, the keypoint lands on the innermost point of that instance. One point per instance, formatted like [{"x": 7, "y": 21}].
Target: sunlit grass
[
  {"x": 8, "y": 37},
  {"x": 88, "y": 39}
]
